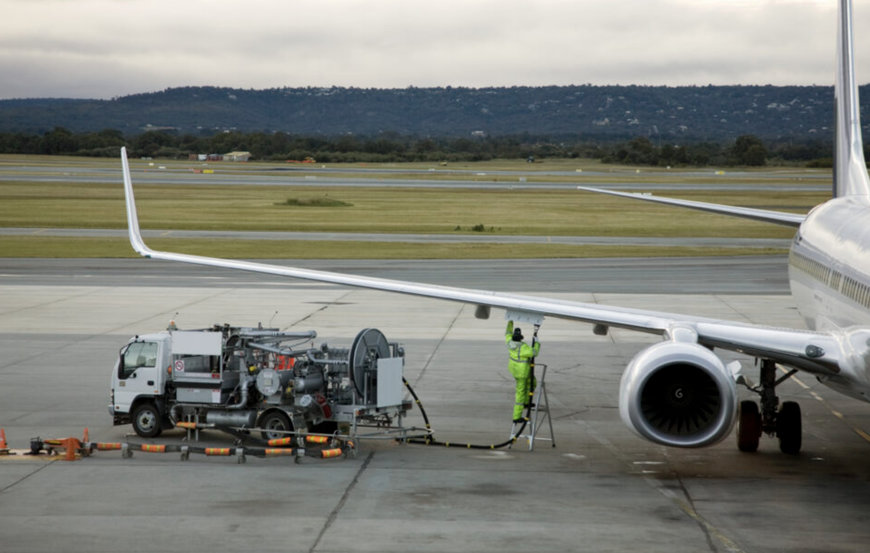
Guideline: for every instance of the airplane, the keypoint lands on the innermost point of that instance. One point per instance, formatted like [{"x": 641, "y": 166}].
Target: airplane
[{"x": 679, "y": 392}]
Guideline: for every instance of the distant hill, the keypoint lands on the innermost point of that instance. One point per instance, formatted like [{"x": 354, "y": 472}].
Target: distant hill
[{"x": 713, "y": 113}]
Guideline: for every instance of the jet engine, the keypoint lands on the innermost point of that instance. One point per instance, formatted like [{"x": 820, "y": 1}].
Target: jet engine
[{"x": 678, "y": 394}]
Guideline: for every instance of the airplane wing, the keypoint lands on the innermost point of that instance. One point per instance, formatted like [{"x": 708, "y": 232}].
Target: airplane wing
[
  {"x": 787, "y": 346},
  {"x": 767, "y": 216}
]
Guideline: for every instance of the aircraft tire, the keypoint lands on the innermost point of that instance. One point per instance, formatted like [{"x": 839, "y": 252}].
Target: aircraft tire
[
  {"x": 789, "y": 428},
  {"x": 748, "y": 427}
]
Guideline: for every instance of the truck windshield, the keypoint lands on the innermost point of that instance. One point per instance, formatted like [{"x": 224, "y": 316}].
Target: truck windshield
[{"x": 138, "y": 354}]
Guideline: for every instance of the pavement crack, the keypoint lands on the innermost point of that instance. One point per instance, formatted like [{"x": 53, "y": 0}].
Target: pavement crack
[
  {"x": 320, "y": 309},
  {"x": 685, "y": 504},
  {"x": 712, "y": 534},
  {"x": 702, "y": 524},
  {"x": 26, "y": 476},
  {"x": 334, "y": 514},
  {"x": 49, "y": 302},
  {"x": 438, "y": 345}
]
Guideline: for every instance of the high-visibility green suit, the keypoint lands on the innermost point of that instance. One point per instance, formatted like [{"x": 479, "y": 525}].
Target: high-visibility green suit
[{"x": 519, "y": 364}]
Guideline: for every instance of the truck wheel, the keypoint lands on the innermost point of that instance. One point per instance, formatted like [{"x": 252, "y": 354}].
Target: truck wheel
[
  {"x": 275, "y": 425},
  {"x": 146, "y": 420}
]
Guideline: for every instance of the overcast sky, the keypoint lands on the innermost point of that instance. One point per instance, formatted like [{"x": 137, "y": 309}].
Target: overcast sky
[{"x": 109, "y": 48}]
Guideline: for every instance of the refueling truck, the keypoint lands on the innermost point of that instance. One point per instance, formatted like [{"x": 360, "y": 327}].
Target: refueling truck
[{"x": 242, "y": 379}]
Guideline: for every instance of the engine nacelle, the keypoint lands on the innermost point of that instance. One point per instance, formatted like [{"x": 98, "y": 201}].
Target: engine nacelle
[{"x": 678, "y": 394}]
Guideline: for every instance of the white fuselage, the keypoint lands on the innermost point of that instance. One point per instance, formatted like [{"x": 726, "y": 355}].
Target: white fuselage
[
  {"x": 829, "y": 265},
  {"x": 829, "y": 275}
]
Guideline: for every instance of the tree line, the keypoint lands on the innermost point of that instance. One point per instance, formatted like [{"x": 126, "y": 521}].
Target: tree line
[{"x": 746, "y": 150}]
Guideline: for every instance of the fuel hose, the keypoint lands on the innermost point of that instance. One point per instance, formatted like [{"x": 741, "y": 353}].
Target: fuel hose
[{"x": 430, "y": 437}]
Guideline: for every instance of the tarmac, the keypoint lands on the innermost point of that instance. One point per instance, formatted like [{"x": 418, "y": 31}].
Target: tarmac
[
  {"x": 597, "y": 488},
  {"x": 701, "y": 242}
]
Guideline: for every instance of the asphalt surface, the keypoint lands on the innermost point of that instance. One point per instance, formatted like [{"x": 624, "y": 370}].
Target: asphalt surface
[
  {"x": 705, "y": 242},
  {"x": 229, "y": 174},
  {"x": 600, "y": 488},
  {"x": 679, "y": 275}
]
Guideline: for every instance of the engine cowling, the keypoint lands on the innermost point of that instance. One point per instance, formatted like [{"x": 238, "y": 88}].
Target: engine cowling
[{"x": 678, "y": 394}]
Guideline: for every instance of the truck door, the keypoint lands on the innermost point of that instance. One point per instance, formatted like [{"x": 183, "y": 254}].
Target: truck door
[{"x": 137, "y": 374}]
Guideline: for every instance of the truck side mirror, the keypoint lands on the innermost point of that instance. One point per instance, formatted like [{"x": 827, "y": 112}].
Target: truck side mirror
[{"x": 121, "y": 361}]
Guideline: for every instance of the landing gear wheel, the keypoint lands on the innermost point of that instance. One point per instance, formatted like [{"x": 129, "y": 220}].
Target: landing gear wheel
[
  {"x": 275, "y": 425},
  {"x": 788, "y": 428},
  {"x": 748, "y": 427},
  {"x": 146, "y": 420}
]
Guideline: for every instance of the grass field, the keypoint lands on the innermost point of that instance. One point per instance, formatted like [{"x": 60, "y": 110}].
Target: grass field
[{"x": 26, "y": 202}]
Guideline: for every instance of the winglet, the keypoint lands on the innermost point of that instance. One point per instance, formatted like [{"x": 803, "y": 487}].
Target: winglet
[
  {"x": 850, "y": 173},
  {"x": 132, "y": 218}
]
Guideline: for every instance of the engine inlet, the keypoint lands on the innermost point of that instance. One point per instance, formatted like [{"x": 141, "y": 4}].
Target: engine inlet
[{"x": 681, "y": 400}]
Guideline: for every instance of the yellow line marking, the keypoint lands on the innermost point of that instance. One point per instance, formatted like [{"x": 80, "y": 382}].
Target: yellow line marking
[{"x": 833, "y": 411}]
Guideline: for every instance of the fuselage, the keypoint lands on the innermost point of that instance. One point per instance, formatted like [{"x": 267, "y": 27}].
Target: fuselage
[
  {"x": 829, "y": 275},
  {"x": 829, "y": 265}
]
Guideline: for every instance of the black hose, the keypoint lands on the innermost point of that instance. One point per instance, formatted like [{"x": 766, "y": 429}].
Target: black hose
[{"x": 430, "y": 438}]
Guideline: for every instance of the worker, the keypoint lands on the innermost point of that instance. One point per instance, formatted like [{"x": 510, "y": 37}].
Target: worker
[{"x": 520, "y": 366}]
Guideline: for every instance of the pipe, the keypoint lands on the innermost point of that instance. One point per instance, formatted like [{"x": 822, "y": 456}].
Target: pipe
[{"x": 243, "y": 400}]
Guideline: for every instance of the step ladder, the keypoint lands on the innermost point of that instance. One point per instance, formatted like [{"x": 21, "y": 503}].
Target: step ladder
[{"x": 539, "y": 414}]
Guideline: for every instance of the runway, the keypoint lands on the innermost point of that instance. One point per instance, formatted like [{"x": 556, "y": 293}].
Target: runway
[
  {"x": 600, "y": 489},
  {"x": 260, "y": 174}
]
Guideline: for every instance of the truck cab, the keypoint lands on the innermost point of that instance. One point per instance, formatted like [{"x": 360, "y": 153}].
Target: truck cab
[
  {"x": 190, "y": 360},
  {"x": 138, "y": 383}
]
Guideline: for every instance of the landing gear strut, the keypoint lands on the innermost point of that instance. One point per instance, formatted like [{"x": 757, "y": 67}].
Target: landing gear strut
[{"x": 782, "y": 421}]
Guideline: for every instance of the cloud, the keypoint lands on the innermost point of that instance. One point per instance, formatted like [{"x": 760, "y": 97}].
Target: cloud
[{"x": 106, "y": 48}]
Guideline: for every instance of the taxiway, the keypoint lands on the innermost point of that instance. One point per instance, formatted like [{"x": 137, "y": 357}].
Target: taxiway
[{"x": 600, "y": 489}]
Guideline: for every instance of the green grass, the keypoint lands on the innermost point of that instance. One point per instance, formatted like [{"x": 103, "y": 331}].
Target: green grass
[
  {"x": 201, "y": 206},
  {"x": 390, "y": 210}
]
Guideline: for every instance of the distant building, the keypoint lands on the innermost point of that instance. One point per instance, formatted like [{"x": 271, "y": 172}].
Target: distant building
[
  {"x": 205, "y": 157},
  {"x": 237, "y": 156}
]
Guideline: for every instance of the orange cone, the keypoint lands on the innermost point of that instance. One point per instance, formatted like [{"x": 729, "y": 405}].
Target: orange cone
[
  {"x": 72, "y": 446},
  {"x": 86, "y": 444},
  {"x": 4, "y": 449}
]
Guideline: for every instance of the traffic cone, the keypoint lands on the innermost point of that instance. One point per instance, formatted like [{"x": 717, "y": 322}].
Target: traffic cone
[
  {"x": 86, "y": 444},
  {"x": 4, "y": 449},
  {"x": 72, "y": 446}
]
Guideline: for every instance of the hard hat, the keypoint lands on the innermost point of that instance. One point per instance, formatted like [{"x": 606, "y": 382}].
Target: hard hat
[{"x": 518, "y": 335}]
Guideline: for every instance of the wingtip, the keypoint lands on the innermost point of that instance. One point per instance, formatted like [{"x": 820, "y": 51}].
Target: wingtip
[{"x": 133, "y": 231}]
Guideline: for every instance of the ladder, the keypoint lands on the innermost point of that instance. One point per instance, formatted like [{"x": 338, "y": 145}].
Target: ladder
[{"x": 539, "y": 414}]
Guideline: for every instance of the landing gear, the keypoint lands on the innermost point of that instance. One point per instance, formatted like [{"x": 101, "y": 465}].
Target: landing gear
[{"x": 784, "y": 422}]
